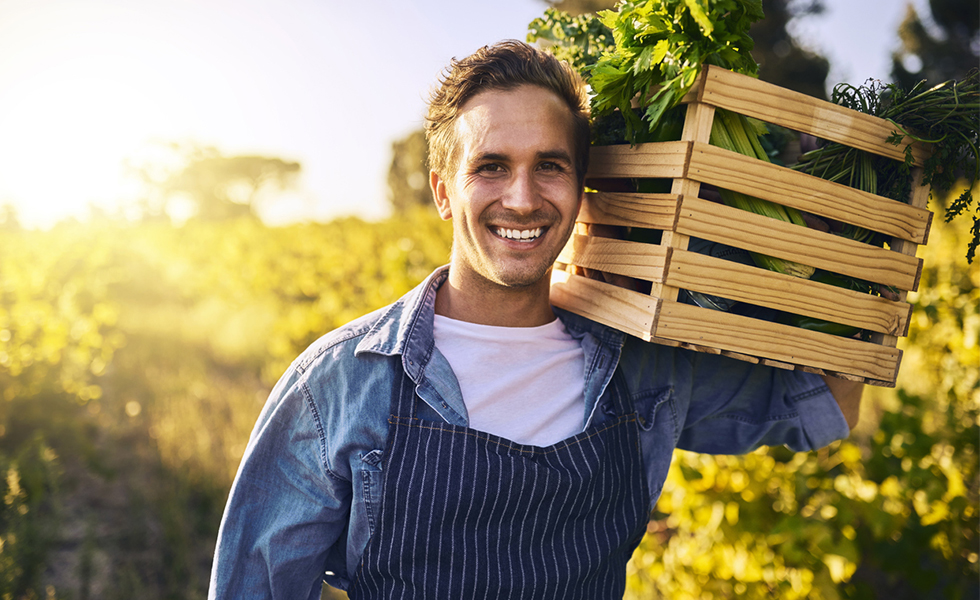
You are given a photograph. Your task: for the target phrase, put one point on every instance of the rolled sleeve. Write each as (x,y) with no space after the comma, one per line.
(733,407)
(820,416)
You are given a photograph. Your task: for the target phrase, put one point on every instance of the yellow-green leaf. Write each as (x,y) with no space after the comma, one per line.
(700,16)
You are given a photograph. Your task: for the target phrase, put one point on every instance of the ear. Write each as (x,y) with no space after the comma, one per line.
(440,194)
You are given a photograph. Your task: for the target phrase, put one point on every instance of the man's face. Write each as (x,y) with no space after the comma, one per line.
(514,196)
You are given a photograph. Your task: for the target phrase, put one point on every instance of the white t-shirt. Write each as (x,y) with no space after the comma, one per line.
(525,384)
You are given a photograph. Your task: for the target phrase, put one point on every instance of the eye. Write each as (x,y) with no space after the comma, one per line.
(489,168)
(552,166)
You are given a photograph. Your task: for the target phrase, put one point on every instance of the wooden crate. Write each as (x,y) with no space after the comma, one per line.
(681,214)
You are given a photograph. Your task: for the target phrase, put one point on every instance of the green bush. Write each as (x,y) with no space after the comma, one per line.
(27,517)
(891,512)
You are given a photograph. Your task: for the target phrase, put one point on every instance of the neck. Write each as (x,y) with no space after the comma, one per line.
(491,304)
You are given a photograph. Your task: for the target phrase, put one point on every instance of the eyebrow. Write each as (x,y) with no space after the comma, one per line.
(548,154)
(556,155)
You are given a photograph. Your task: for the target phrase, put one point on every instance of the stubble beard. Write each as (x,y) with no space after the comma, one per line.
(501,272)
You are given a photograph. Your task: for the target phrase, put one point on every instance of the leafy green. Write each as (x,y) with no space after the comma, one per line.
(661,46)
(650,52)
(947,116)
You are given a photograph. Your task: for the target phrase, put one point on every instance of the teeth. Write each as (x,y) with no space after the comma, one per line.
(519,234)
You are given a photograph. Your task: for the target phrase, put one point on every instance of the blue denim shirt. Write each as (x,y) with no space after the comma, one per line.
(305,499)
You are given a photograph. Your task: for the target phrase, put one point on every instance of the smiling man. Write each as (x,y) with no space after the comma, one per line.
(513,196)
(470,440)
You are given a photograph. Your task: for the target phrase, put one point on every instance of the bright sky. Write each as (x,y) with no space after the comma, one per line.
(87,84)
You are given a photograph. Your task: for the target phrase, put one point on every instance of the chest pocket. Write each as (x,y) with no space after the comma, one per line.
(370,481)
(654,405)
(657,419)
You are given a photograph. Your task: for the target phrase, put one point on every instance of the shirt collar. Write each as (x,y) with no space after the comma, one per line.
(406,327)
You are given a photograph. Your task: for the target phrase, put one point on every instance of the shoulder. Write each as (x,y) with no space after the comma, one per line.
(339,344)
(653,368)
(340,380)
(335,397)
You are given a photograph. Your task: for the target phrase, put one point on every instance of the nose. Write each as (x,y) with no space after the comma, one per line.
(522,194)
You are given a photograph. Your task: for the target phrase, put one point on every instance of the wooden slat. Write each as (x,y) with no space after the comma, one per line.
(652,211)
(625,310)
(775,363)
(753,177)
(632,259)
(773,104)
(920,198)
(745,357)
(691,324)
(743,229)
(717,277)
(664,160)
(698,120)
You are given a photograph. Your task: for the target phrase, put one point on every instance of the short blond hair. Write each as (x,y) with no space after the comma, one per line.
(502,66)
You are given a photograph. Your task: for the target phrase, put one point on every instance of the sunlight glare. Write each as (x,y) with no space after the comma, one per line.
(80,99)
(74,131)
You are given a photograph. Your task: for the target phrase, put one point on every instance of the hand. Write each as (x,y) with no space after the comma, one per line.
(848,397)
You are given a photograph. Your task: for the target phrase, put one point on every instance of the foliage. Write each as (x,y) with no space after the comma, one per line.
(579,40)
(781,60)
(140,355)
(55,324)
(890,512)
(28,484)
(945,50)
(660,46)
(408,174)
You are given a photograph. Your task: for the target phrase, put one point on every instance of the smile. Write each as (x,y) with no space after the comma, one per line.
(521,235)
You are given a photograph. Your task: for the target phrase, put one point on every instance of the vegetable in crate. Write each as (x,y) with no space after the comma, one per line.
(659,49)
(946,115)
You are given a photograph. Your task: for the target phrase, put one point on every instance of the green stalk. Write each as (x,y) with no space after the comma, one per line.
(732,131)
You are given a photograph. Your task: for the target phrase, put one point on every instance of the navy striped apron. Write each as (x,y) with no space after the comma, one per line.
(465,514)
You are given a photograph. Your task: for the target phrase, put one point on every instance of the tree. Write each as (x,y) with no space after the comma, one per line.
(781,60)
(8,218)
(949,53)
(408,175)
(219,187)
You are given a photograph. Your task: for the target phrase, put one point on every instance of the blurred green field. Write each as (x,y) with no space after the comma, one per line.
(134,359)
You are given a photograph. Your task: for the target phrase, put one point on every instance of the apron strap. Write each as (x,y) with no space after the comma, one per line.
(621,402)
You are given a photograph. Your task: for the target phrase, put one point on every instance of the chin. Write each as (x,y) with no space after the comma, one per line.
(522,278)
